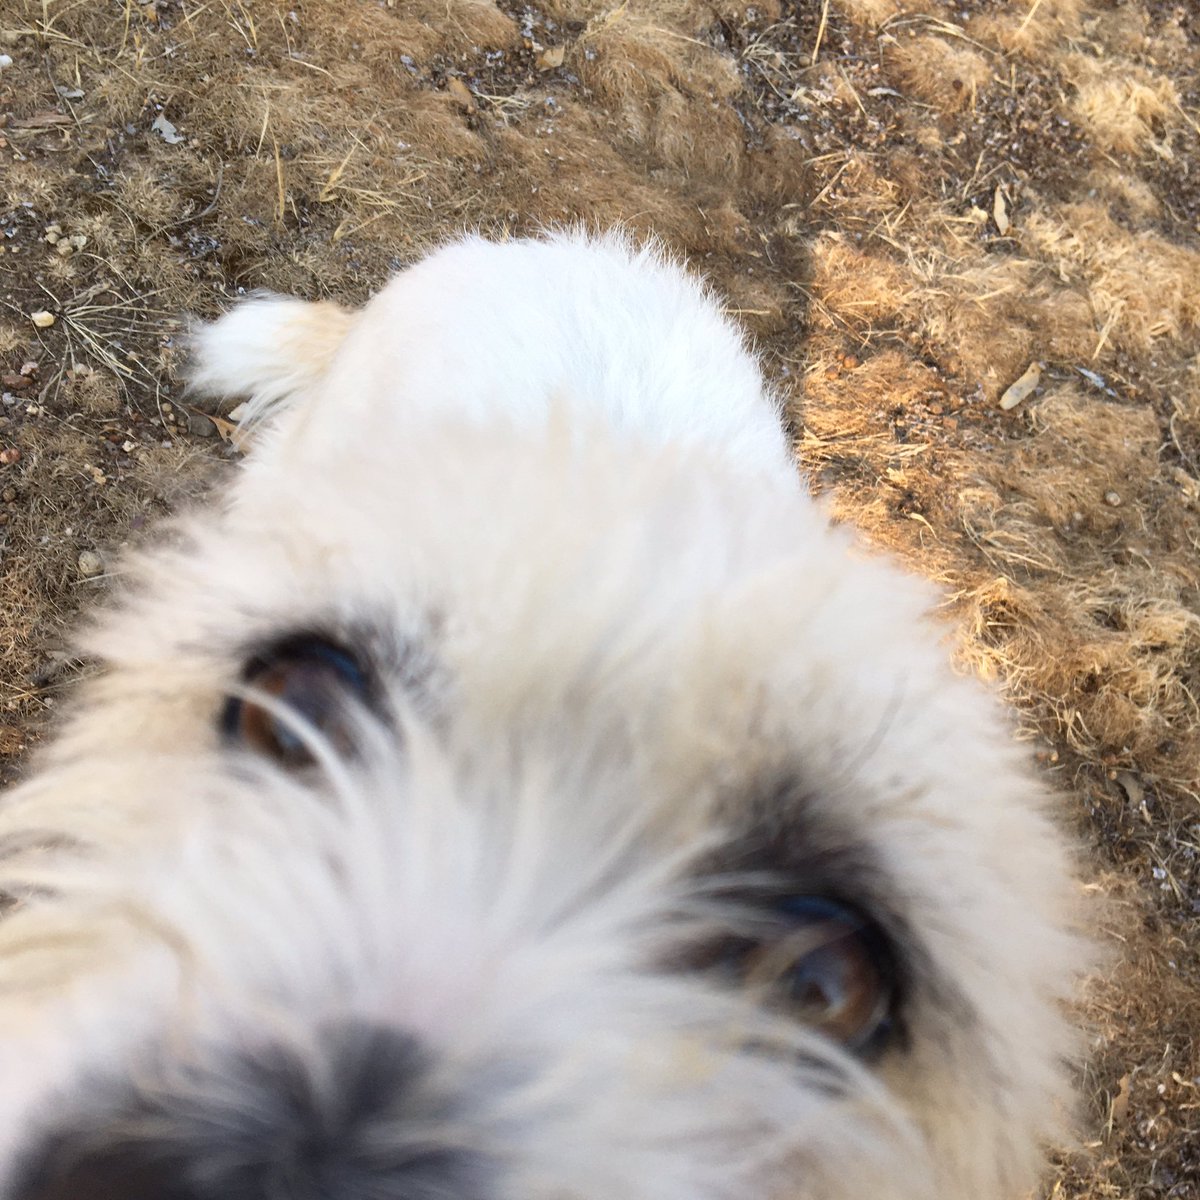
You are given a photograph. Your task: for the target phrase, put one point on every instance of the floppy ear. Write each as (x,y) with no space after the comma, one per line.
(269,349)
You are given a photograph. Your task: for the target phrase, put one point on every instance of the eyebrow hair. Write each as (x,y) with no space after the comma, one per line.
(780,829)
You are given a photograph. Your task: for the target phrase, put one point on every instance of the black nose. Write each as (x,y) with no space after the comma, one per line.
(358,1118)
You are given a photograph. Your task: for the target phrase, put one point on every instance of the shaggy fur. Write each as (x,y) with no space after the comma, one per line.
(627,672)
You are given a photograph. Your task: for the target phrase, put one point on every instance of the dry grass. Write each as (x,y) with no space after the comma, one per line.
(907,204)
(944,72)
(1132,110)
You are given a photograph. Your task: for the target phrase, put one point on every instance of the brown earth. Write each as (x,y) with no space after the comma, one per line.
(907,207)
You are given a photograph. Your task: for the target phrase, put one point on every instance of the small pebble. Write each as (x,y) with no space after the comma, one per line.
(90,564)
(8,495)
(1112,499)
(42,319)
(9,455)
(199,425)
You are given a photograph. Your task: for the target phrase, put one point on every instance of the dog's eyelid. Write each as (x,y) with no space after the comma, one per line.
(307,645)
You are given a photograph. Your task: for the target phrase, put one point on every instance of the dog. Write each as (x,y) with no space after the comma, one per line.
(511,784)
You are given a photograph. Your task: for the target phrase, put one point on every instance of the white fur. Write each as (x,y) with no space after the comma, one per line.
(269,347)
(588,328)
(553,467)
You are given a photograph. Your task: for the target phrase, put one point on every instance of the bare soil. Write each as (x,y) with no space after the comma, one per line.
(907,206)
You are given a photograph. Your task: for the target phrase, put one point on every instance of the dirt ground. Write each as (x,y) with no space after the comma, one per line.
(910,206)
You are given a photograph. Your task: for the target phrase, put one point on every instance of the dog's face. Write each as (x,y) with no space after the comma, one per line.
(504,813)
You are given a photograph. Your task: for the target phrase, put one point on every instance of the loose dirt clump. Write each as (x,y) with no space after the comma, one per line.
(909,206)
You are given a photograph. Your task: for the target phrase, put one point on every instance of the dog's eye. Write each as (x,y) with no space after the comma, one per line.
(836,968)
(827,964)
(316,683)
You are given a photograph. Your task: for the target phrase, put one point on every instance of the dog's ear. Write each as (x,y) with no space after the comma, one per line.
(269,350)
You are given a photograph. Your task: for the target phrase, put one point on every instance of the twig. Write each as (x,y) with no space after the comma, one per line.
(820,30)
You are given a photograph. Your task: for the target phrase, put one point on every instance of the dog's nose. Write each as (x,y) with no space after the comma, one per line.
(354,1118)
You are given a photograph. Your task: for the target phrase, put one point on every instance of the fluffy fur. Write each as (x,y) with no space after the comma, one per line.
(628,667)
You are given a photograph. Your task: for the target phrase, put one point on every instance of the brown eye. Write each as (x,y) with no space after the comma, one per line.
(318,685)
(825,963)
(837,971)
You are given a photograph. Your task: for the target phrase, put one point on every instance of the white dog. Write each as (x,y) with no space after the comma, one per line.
(512,789)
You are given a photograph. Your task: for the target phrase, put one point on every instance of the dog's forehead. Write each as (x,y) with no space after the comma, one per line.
(543,581)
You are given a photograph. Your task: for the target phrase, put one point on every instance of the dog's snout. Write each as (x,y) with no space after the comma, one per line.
(354,1117)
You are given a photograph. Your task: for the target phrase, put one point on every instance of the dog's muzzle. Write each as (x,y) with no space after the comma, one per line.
(353,1118)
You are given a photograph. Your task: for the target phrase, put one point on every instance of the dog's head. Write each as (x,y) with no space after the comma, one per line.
(493,812)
